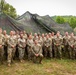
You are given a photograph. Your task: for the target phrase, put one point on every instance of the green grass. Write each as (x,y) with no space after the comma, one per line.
(49,67)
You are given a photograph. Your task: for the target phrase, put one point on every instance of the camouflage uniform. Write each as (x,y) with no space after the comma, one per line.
(48,47)
(2,47)
(37,50)
(11,50)
(53,46)
(25,36)
(29,48)
(65,43)
(40,41)
(21,47)
(5,45)
(74,49)
(43,47)
(71,47)
(58,41)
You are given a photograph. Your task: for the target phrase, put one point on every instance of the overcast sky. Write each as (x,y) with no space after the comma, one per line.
(45,7)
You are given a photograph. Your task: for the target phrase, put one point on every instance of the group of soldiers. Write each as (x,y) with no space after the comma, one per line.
(36,46)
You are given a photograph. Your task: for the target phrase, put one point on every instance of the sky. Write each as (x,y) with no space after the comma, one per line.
(45,7)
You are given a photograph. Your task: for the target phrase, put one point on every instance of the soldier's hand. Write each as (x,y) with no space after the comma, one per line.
(72,46)
(36,55)
(12,46)
(0,46)
(46,46)
(56,44)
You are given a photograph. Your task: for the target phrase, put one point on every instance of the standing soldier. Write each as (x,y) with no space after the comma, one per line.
(24,35)
(29,46)
(11,48)
(58,46)
(48,46)
(43,39)
(1,46)
(5,43)
(17,37)
(35,37)
(65,43)
(75,48)
(71,46)
(40,40)
(21,47)
(37,52)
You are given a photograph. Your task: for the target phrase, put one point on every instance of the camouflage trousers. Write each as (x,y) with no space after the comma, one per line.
(75,53)
(72,52)
(58,51)
(37,59)
(1,53)
(21,52)
(11,54)
(48,50)
(29,50)
(66,52)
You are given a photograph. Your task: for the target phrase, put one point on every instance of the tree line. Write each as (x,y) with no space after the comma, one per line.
(8,9)
(63,19)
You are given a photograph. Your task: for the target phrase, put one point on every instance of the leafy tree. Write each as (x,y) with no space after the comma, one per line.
(60,20)
(8,9)
(72,22)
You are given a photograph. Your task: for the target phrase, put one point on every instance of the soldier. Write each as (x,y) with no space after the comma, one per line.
(25,35)
(43,39)
(21,47)
(5,43)
(29,46)
(74,48)
(37,52)
(71,46)
(52,34)
(40,40)
(35,36)
(65,43)
(1,46)
(17,37)
(48,46)
(58,46)
(12,41)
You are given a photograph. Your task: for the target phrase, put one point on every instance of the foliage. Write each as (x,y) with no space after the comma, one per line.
(60,20)
(72,22)
(8,9)
(69,19)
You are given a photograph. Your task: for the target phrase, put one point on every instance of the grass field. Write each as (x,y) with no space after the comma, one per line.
(49,67)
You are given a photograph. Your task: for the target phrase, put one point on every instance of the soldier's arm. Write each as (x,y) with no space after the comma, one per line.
(61,41)
(19,44)
(45,43)
(69,43)
(50,42)
(28,43)
(8,42)
(33,51)
(2,40)
(40,50)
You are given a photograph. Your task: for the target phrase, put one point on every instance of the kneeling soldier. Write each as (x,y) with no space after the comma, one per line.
(37,52)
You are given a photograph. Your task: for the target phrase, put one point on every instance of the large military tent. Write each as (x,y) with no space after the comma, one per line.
(37,23)
(8,23)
